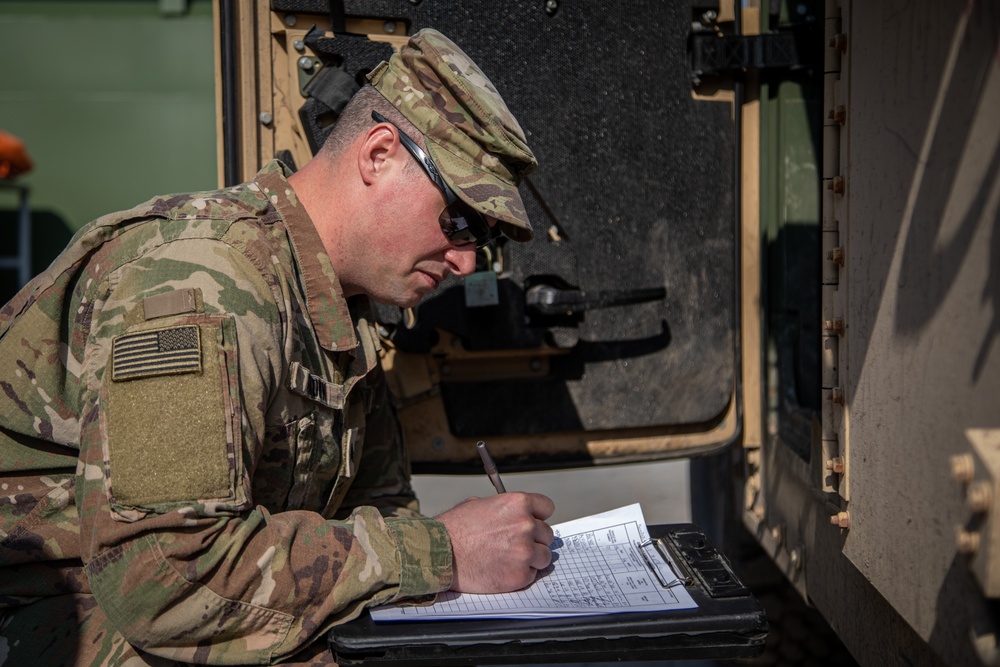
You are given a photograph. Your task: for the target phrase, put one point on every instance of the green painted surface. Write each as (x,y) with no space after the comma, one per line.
(115,102)
(791,209)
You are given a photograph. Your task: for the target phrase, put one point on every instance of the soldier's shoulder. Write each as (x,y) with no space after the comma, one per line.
(240,202)
(221,215)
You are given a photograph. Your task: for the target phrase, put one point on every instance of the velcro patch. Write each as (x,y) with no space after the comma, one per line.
(174,302)
(156,352)
(175,438)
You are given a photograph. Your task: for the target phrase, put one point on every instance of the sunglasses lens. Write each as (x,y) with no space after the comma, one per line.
(462,224)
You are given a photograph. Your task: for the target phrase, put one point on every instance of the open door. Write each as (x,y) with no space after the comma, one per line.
(613,335)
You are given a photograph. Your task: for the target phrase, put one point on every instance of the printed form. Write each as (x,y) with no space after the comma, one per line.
(597,568)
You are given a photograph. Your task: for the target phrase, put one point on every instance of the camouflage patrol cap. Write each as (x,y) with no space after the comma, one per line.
(473,138)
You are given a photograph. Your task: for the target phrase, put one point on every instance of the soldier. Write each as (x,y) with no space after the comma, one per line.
(198,456)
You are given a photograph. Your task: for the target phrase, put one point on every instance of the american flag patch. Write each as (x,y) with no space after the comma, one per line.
(156,352)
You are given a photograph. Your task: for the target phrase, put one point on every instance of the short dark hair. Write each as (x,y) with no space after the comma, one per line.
(356,118)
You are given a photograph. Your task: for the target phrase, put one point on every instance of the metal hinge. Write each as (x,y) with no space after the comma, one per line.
(836,459)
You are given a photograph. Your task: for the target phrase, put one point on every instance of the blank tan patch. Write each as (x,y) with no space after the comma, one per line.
(174,302)
(167,434)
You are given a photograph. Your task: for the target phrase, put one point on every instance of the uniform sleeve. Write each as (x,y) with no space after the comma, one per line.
(176,551)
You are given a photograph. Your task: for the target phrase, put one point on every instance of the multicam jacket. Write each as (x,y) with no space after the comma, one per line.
(195,429)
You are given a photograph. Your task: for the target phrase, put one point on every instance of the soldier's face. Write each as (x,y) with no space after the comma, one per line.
(409,253)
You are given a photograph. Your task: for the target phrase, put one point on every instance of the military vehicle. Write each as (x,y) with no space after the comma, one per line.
(767,238)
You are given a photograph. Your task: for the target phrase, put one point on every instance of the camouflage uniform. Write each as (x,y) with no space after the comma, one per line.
(198,454)
(198,458)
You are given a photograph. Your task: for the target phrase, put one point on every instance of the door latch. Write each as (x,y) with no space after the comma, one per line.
(549,300)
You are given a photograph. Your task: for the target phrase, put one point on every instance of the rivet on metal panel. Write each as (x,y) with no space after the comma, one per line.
(836,465)
(795,558)
(967,542)
(389,27)
(836,395)
(834,326)
(841,519)
(290,20)
(306,64)
(299,45)
(836,255)
(979,497)
(836,184)
(963,468)
(265,118)
(839,42)
(838,114)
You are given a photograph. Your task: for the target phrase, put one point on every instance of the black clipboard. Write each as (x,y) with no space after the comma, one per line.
(728,623)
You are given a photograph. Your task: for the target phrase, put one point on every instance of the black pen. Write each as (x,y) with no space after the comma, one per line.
(490,466)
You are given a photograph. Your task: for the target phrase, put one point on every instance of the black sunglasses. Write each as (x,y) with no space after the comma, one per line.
(460,222)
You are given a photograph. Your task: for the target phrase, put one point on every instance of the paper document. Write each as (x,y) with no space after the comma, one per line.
(597,568)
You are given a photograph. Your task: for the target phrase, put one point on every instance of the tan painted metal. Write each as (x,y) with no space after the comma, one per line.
(979,536)
(269,82)
(217,56)
(251,75)
(922,365)
(416,382)
(751,323)
(896,512)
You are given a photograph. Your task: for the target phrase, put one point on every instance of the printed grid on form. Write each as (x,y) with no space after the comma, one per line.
(596,571)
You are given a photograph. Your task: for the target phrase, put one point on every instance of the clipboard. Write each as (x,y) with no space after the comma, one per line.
(728,623)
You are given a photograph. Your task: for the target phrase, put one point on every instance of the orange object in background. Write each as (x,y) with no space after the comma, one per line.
(14,158)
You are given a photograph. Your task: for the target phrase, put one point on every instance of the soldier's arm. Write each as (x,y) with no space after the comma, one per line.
(176,551)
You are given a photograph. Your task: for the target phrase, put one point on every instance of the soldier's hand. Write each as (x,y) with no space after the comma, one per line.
(499,543)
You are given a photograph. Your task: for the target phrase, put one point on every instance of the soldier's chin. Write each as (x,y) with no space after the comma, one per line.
(409,301)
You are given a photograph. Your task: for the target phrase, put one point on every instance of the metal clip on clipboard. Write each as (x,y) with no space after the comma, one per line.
(664,556)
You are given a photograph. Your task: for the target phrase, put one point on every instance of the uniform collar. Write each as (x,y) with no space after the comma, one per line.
(328,309)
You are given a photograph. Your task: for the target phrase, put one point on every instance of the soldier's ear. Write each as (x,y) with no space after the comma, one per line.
(376,150)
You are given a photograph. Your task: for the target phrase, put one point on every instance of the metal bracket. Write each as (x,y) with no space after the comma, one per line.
(712,53)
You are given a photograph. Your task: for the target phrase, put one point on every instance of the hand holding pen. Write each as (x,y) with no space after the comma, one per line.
(498,543)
